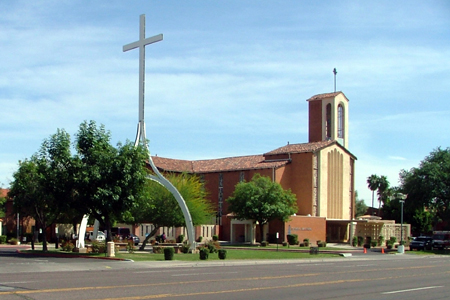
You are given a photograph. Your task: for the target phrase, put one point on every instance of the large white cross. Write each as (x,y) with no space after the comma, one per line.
(140,136)
(141,43)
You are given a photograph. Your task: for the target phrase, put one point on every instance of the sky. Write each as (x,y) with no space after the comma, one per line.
(230,78)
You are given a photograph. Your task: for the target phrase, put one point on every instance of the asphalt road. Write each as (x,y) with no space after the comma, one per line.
(358,277)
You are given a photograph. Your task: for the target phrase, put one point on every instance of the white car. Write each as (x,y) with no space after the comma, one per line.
(100,236)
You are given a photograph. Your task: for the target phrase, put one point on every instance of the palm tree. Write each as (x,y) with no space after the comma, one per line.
(373,183)
(383,189)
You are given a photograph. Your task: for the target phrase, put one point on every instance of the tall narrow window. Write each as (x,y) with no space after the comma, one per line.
(328,124)
(340,121)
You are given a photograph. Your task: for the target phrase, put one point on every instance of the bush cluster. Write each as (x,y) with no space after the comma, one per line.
(292,239)
(169,253)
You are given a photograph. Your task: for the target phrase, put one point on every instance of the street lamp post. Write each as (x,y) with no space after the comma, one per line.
(401,247)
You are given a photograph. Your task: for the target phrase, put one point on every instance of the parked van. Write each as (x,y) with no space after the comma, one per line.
(441,239)
(120,232)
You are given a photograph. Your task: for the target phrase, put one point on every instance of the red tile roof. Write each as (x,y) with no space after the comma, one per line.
(250,162)
(3,193)
(326,95)
(301,148)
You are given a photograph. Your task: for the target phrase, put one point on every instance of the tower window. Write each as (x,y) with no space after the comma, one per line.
(340,121)
(328,124)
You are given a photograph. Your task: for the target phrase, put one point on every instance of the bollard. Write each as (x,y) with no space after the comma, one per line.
(110,249)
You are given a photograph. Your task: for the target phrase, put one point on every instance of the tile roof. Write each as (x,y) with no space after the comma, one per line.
(250,162)
(326,95)
(3,193)
(300,148)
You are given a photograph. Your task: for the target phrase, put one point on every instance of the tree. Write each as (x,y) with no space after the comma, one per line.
(159,207)
(372,183)
(382,190)
(109,179)
(43,187)
(360,206)
(262,201)
(428,190)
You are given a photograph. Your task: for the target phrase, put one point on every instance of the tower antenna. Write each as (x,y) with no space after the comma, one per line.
(334,72)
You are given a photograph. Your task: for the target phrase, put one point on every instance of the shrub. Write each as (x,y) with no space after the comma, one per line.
(185,247)
(2,239)
(180,238)
(67,246)
(168,253)
(292,239)
(157,249)
(98,247)
(355,241)
(264,243)
(380,240)
(211,247)
(14,241)
(393,239)
(389,245)
(204,253)
(199,239)
(284,244)
(306,242)
(360,241)
(322,244)
(373,243)
(215,238)
(367,246)
(130,247)
(222,254)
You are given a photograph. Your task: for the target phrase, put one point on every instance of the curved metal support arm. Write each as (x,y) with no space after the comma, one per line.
(171,188)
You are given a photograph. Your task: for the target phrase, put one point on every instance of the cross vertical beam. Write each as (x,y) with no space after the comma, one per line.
(141,43)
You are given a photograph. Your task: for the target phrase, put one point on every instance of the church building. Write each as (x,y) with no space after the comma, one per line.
(320,173)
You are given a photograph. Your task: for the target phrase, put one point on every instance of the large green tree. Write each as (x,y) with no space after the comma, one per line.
(428,190)
(262,201)
(360,206)
(43,185)
(372,184)
(383,190)
(159,207)
(109,179)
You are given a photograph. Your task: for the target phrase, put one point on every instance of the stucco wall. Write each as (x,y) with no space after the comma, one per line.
(336,181)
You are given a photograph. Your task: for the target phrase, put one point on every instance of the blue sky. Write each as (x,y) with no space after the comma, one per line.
(230,78)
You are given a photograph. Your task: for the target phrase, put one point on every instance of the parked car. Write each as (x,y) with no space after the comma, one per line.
(136,239)
(100,236)
(441,239)
(421,243)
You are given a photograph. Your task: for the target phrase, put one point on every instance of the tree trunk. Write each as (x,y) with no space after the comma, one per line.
(147,238)
(261,232)
(44,237)
(372,201)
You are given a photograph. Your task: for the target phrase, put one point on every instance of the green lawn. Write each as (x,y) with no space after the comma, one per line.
(231,254)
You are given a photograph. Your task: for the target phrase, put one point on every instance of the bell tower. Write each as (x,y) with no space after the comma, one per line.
(328,118)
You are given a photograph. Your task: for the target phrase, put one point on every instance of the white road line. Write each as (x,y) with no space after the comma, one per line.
(196,274)
(15,282)
(412,290)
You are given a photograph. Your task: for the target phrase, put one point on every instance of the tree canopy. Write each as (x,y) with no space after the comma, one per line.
(43,185)
(159,207)
(109,179)
(428,190)
(262,201)
(101,180)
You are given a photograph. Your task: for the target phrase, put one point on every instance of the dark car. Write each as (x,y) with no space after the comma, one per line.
(136,239)
(421,243)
